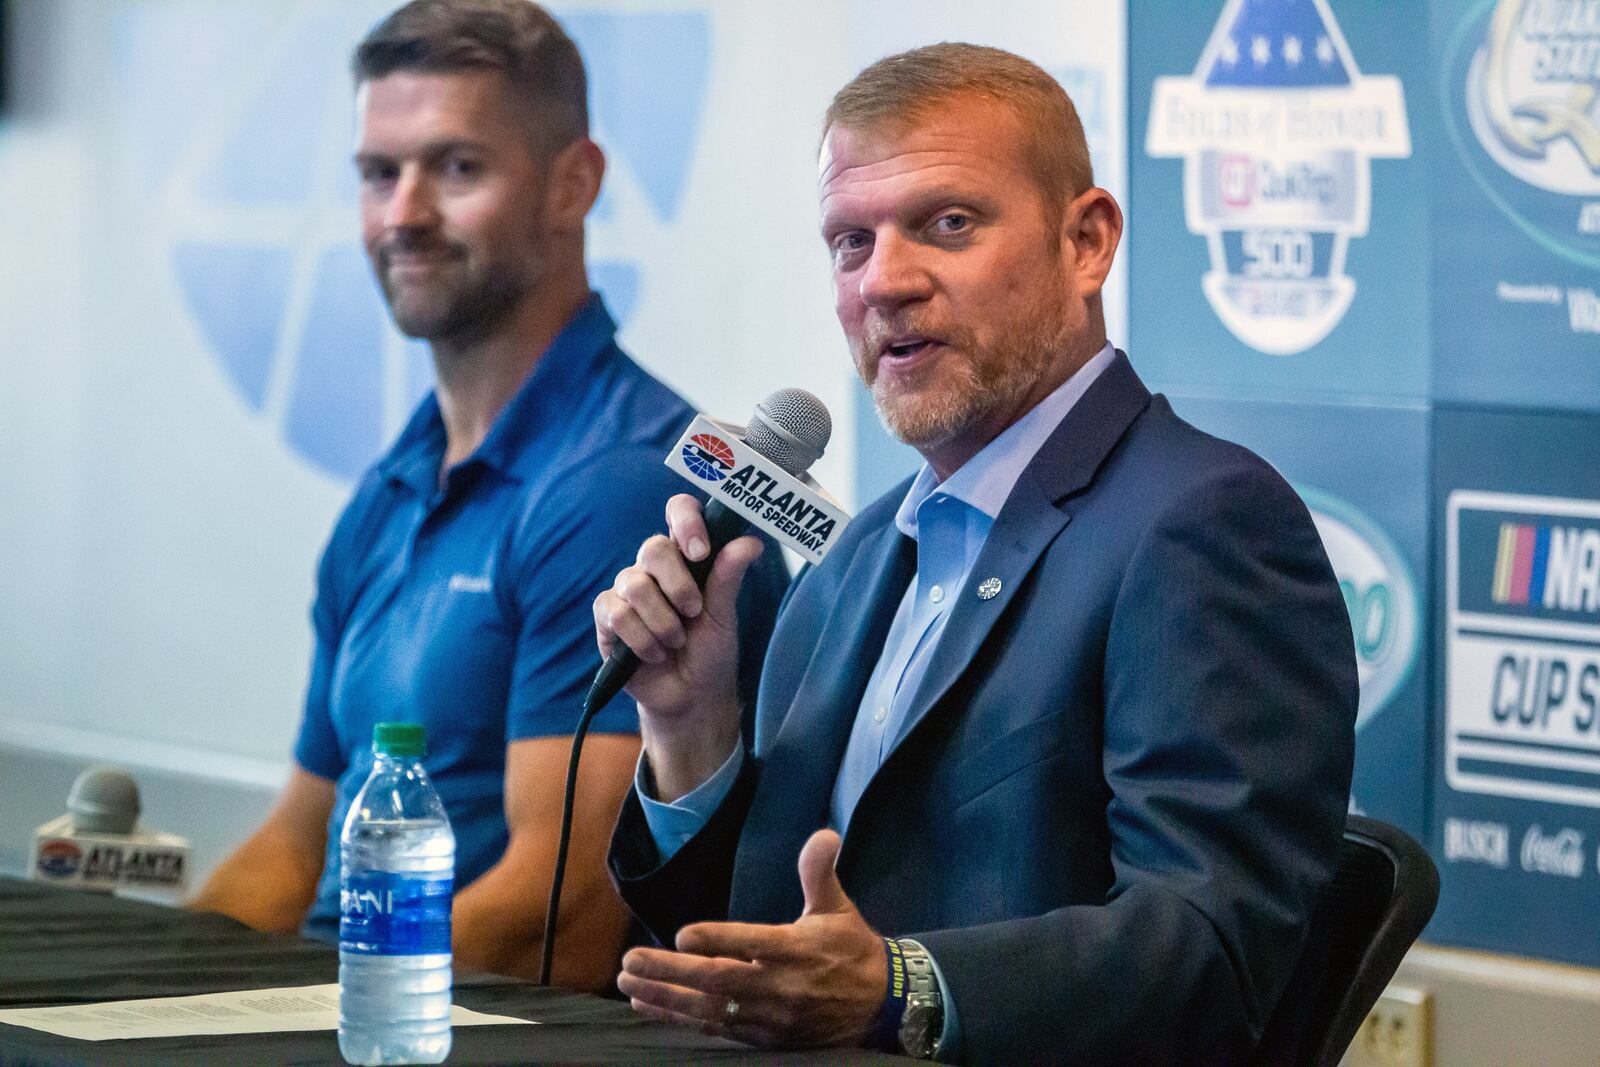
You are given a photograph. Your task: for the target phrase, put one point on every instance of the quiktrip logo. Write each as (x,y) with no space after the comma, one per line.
(1522,647)
(1379,594)
(1277,127)
(708,458)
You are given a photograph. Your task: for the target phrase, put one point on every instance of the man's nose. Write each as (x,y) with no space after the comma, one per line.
(895,274)
(411,207)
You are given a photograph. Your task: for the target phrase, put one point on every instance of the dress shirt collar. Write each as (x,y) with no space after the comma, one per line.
(986,480)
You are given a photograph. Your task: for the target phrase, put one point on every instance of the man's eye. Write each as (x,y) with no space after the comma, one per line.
(954,222)
(853,241)
(377,173)
(457,167)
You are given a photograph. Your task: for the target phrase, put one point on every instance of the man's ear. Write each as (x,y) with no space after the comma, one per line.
(572,185)
(1091,231)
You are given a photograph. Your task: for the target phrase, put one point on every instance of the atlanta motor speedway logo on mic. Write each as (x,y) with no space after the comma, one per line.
(796,512)
(1277,127)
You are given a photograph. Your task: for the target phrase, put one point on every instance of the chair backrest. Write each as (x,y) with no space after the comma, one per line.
(1382,894)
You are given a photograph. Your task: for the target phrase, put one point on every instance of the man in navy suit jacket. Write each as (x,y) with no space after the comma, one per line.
(1079,697)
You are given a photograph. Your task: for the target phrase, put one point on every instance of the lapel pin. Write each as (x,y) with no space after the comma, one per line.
(988,589)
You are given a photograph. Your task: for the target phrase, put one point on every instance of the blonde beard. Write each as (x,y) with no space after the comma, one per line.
(978,380)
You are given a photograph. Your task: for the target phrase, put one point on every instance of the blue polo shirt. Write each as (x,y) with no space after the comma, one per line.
(467,607)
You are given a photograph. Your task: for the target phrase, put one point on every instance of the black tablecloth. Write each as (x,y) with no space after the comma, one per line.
(63,947)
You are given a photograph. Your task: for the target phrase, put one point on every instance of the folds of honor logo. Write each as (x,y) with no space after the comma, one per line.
(1522,646)
(1525,76)
(1277,127)
(1379,594)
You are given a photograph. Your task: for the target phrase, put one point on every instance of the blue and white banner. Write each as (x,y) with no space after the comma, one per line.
(1277,243)
(1516,176)
(1516,803)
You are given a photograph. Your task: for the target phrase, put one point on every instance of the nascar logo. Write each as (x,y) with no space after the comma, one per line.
(1277,127)
(1553,566)
(708,458)
(1522,647)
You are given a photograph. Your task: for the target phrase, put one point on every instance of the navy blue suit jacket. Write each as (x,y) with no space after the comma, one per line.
(1124,777)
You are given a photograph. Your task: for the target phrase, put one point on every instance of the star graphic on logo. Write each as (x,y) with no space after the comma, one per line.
(1230,51)
(1260,51)
(1324,51)
(1291,51)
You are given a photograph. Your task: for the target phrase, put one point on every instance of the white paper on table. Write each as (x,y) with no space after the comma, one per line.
(249,1011)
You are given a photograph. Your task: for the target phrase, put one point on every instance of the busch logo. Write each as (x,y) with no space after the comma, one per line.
(1560,853)
(1277,127)
(1477,842)
(1378,593)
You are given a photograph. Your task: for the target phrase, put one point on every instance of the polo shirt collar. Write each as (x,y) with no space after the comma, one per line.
(550,396)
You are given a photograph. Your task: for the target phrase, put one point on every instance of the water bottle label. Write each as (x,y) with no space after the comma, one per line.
(386,914)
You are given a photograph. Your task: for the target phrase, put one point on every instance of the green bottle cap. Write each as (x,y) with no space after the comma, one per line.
(397,738)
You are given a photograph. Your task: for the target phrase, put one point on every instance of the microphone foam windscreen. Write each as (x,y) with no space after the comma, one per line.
(104,800)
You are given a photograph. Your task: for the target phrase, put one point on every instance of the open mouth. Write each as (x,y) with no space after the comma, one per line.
(909,348)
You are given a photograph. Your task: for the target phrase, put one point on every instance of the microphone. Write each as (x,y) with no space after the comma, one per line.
(757,477)
(765,486)
(99,845)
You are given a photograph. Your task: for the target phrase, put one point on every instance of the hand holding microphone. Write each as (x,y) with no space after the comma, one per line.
(674,609)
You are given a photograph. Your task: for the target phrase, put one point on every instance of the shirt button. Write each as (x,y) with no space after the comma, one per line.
(936,594)
(881,714)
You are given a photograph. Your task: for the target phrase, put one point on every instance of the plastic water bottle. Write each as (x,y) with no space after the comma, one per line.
(397,872)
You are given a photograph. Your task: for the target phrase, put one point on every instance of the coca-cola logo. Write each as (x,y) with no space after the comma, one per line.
(1559,853)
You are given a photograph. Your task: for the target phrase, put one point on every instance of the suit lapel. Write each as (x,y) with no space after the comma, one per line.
(1030,520)
(798,772)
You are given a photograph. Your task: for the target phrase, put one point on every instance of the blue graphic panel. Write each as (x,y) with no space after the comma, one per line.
(335,413)
(238,124)
(1277,43)
(237,294)
(1516,809)
(1516,309)
(648,74)
(1362,470)
(1278,234)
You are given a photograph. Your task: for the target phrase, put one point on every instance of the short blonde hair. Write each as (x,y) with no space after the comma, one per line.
(899,90)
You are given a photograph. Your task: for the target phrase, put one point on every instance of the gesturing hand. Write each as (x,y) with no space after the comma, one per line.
(817,981)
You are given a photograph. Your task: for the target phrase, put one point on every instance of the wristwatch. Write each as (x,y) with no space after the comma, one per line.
(922,1023)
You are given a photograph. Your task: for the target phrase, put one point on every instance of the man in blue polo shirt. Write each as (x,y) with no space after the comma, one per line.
(456,588)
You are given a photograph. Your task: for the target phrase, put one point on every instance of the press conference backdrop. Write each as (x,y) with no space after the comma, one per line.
(196,363)
(1376,263)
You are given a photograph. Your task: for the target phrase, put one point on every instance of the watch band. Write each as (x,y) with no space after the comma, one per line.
(922,1024)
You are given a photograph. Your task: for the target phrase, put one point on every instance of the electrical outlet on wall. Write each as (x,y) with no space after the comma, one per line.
(1398,1032)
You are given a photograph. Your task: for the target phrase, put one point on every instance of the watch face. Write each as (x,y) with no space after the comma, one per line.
(920,1029)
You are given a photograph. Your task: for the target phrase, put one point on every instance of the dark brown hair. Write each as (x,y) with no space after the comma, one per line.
(542,68)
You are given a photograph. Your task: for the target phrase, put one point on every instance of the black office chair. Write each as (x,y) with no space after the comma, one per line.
(1382,895)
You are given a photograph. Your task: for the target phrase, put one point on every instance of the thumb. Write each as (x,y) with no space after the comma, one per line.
(727,574)
(818,879)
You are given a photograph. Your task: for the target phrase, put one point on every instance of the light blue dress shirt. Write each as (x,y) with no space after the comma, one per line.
(949,521)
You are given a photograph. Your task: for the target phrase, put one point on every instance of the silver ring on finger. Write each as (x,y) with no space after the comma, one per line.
(730,1012)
